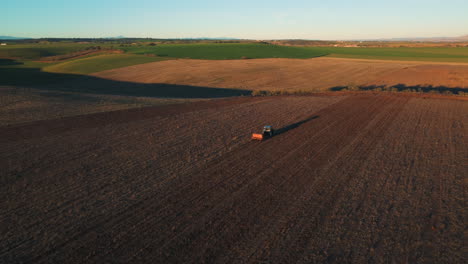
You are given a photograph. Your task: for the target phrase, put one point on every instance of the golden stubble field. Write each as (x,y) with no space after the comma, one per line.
(317,74)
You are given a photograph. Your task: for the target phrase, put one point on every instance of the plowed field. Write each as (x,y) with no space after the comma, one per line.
(359,178)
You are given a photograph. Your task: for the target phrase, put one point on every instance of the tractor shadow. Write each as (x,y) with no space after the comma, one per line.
(294,125)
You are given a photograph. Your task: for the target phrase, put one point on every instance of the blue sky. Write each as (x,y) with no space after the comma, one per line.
(306,19)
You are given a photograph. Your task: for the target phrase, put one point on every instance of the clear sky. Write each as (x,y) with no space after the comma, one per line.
(272,19)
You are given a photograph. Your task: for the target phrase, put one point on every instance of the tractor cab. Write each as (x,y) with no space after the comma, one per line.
(268,131)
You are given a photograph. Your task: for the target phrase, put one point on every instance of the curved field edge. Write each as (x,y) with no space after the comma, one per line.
(227,51)
(34,73)
(438,54)
(399,58)
(239,50)
(38,51)
(291,76)
(100,63)
(255,51)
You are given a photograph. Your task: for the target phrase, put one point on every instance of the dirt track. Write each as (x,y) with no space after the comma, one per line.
(349,178)
(293,74)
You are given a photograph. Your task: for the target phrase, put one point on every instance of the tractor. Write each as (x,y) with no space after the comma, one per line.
(268,132)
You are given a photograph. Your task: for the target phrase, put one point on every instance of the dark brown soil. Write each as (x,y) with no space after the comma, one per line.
(361,179)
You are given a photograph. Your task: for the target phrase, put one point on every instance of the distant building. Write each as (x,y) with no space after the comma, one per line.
(3,44)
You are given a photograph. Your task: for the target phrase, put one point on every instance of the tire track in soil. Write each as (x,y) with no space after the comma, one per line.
(132,218)
(306,149)
(312,211)
(369,210)
(277,201)
(57,190)
(394,217)
(410,233)
(316,223)
(87,152)
(293,200)
(149,201)
(285,205)
(97,221)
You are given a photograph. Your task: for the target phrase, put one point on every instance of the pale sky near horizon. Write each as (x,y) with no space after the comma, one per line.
(273,19)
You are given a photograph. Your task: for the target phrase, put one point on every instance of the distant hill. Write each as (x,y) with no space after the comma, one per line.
(118,37)
(206,38)
(432,39)
(201,38)
(220,38)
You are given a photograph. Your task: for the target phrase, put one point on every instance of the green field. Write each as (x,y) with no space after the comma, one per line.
(238,51)
(19,63)
(37,51)
(99,63)
(214,51)
(227,51)
(441,54)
